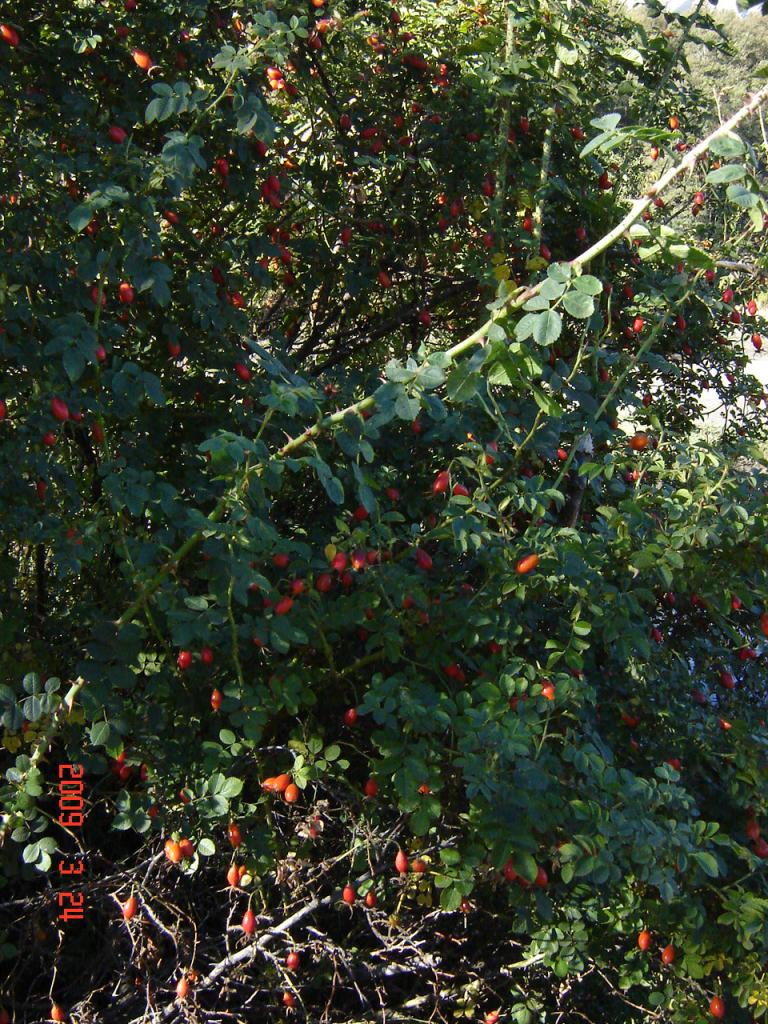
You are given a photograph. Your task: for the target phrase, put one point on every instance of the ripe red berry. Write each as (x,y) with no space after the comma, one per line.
(324,582)
(668,954)
(59,410)
(206,656)
(117,134)
(348,895)
(248,924)
(233,833)
(10,36)
(129,908)
(371,788)
(401,863)
(752,829)
(350,717)
(141,59)
(370,899)
(644,940)
(727,680)
(216,699)
(717,1007)
(184,660)
(182,988)
(527,563)
(292,961)
(441,482)
(423,560)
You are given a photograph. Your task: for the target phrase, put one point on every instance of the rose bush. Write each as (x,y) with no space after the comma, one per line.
(349,412)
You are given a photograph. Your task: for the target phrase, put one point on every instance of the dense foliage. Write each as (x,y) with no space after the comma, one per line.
(356,539)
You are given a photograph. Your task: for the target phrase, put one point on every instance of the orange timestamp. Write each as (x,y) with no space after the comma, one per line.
(71,803)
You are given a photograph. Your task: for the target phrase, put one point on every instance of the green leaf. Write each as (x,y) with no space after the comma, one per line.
(407,408)
(231,788)
(462,383)
(546,403)
(430,377)
(579,305)
(560,272)
(606,123)
(182,155)
(708,863)
(397,373)
(588,284)
(551,290)
(450,898)
(741,196)
(548,327)
(332,485)
(99,733)
(31,682)
(206,847)
(731,172)
(160,108)
(598,142)
(80,217)
(30,853)
(727,145)
(525,326)
(525,865)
